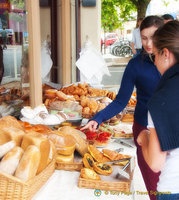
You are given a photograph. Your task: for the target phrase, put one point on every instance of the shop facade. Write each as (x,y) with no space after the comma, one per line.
(64,24)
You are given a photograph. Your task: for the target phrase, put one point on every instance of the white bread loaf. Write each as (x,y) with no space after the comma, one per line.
(11,160)
(52,151)
(11,133)
(5,148)
(29,163)
(37,139)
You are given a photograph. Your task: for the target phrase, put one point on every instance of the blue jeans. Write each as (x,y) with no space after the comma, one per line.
(168,196)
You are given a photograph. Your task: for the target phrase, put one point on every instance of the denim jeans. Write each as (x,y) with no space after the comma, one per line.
(168,196)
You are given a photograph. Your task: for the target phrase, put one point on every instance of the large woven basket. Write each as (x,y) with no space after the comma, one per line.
(12,188)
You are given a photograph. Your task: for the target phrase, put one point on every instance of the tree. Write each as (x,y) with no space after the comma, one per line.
(115,12)
(141,6)
(109,21)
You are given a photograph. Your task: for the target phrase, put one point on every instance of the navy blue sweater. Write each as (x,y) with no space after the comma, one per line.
(141,73)
(164,109)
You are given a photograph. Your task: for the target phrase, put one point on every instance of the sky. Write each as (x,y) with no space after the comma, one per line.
(157,7)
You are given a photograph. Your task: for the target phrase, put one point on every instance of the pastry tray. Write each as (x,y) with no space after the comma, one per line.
(112,182)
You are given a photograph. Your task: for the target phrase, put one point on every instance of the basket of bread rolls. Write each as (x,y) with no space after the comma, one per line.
(27,159)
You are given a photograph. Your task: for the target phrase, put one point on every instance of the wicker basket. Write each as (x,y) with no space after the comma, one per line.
(77,164)
(105,185)
(69,166)
(109,183)
(13,188)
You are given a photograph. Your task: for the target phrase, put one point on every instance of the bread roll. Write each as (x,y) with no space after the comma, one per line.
(9,121)
(5,148)
(11,133)
(29,163)
(81,143)
(37,139)
(50,93)
(11,160)
(65,144)
(61,96)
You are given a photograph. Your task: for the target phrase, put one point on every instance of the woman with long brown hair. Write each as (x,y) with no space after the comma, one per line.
(160,145)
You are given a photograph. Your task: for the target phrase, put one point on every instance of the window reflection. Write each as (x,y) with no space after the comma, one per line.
(15,53)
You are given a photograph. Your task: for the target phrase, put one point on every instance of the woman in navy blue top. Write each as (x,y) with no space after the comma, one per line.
(142,74)
(160,145)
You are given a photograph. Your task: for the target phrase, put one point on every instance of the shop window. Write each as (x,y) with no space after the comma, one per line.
(13,38)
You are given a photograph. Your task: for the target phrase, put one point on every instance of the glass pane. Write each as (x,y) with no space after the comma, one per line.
(14,70)
(14,38)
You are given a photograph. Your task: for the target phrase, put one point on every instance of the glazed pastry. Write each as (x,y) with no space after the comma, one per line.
(103,168)
(89,174)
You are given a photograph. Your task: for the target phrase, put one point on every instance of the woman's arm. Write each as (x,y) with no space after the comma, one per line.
(151,150)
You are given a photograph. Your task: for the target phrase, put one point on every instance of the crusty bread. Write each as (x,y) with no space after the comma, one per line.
(29,163)
(61,96)
(37,139)
(50,93)
(11,160)
(81,143)
(5,148)
(89,174)
(11,133)
(10,121)
(65,144)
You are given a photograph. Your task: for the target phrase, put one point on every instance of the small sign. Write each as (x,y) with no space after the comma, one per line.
(89,3)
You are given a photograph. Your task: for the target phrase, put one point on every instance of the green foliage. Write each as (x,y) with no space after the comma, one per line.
(115,12)
(18,3)
(109,16)
(166,3)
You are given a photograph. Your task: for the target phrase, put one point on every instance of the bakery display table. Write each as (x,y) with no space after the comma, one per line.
(64,184)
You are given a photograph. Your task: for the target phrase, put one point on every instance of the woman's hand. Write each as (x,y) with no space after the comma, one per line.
(142,137)
(91,125)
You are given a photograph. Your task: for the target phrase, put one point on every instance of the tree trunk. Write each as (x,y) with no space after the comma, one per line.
(141,6)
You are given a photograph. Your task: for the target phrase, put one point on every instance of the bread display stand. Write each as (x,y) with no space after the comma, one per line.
(13,188)
(112,182)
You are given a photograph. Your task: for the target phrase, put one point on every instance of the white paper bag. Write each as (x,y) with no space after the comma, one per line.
(91,65)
